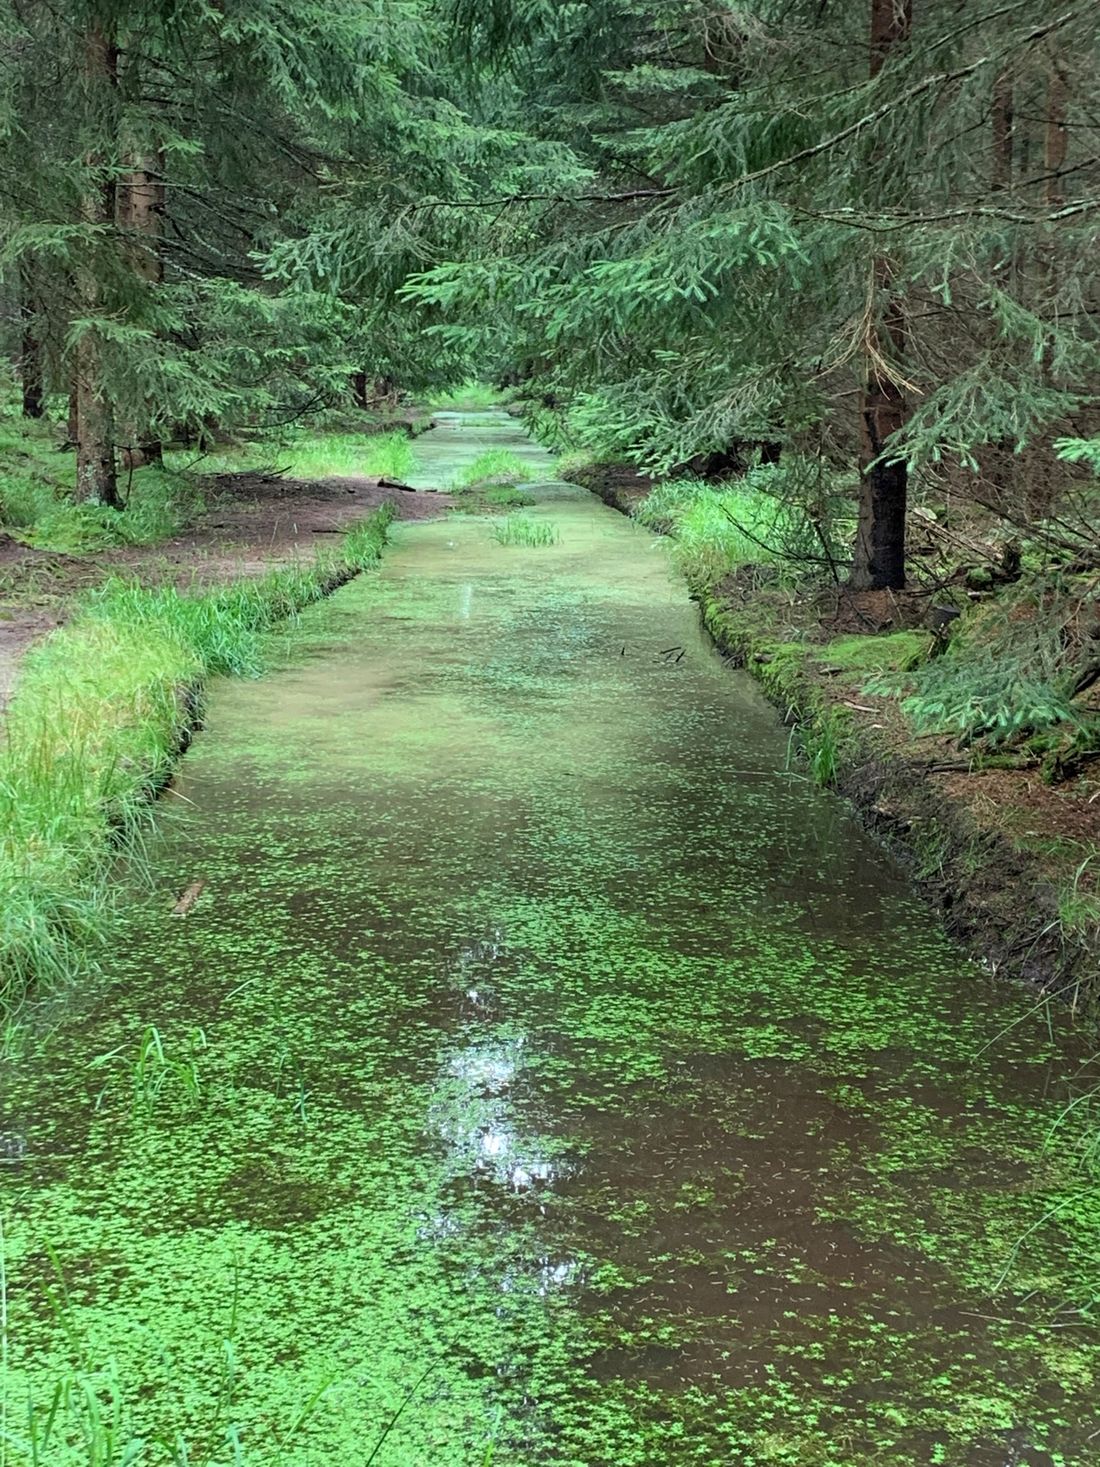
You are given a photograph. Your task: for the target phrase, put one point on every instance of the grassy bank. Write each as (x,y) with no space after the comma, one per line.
(966,749)
(330,454)
(102,709)
(37,507)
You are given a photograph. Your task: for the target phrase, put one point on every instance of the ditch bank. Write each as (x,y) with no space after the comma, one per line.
(951,821)
(103,709)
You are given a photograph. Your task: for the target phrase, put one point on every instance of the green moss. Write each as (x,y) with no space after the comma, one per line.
(898,651)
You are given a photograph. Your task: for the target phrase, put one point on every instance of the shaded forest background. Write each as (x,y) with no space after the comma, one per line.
(840,256)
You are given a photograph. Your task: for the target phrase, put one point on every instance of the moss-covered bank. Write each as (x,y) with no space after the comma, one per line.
(996,894)
(103,708)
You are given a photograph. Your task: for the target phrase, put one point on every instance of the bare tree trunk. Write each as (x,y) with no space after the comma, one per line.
(1056,136)
(96,473)
(31,364)
(1003,127)
(141,200)
(879,559)
(999,465)
(1054,161)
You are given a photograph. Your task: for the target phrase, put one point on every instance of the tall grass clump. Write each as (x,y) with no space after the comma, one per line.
(494,466)
(310,455)
(101,710)
(518,529)
(780,515)
(349,455)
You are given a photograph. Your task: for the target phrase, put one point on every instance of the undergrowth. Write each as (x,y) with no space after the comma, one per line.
(101,710)
(1012,671)
(468,397)
(759,520)
(309,455)
(495,466)
(37,507)
(518,529)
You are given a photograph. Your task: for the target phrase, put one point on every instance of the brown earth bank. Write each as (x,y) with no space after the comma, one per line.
(253,523)
(1005,853)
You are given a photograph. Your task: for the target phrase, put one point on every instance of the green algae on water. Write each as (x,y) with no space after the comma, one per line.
(577,1084)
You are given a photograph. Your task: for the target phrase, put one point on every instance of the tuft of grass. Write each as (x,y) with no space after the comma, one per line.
(336,456)
(822,741)
(518,529)
(1079,904)
(312,456)
(496,466)
(156,1070)
(468,397)
(881,652)
(493,498)
(101,710)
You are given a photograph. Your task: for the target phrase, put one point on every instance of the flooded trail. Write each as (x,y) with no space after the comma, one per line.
(548,1073)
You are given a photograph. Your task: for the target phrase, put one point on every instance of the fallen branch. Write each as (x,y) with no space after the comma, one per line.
(188,899)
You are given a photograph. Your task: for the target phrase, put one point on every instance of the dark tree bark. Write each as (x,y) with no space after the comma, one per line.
(1056,135)
(31,354)
(96,470)
(879,559)
(1003,127)
(140,209)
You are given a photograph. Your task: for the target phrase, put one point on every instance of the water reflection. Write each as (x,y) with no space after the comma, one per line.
(473,1113)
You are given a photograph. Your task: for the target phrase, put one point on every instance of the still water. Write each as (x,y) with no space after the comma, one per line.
(548,1073)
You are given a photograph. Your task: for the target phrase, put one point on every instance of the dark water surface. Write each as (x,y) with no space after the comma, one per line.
(574,1079)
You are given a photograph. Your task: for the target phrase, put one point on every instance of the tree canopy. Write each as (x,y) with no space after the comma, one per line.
(851,242)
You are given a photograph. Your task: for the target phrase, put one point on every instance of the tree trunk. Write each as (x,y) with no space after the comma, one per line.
(1054,161)
(1056,136)
(96,474)
(141,200)
(1003,126)
(879,559)
(31,364)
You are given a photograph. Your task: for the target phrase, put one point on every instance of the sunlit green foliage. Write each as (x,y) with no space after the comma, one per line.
(494,466)
(769,516)
(518,529)
(307,454)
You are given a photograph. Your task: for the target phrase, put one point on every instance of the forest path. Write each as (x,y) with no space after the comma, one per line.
(545,1064)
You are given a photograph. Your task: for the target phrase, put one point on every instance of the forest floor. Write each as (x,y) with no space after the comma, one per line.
(1010,853)
(252,522)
